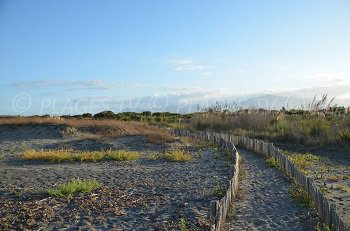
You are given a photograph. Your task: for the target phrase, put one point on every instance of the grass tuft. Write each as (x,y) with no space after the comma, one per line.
(299,195)
(48,155)
(178,155)
(76,185)
(123,155)
(219,190)
(272,162)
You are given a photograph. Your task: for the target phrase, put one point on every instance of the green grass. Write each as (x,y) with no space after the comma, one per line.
(299,195)
(178,155)
(76,185)
(272,162)
(302,160)
(123,155)
(219,189)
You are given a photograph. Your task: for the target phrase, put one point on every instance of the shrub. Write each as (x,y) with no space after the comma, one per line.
(178,155)
(123,155)
(75,185)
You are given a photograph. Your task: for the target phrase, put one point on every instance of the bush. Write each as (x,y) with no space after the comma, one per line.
(105,115)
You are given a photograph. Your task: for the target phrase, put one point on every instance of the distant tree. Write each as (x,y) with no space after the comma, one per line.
(146,113)
(86,115)
(105,115)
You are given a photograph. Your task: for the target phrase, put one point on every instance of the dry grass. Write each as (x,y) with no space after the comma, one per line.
(82,156)
(123,155)
(108,128)
(48,155)
(333,178)
(178,155)
(153,156)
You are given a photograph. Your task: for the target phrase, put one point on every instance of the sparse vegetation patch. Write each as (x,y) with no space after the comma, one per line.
(178,155)
(76,185)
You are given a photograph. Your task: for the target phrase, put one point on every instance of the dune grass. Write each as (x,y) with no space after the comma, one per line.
(48,155)
(82,156)
(178,155)
(123,155)
(302,160)
(75,185)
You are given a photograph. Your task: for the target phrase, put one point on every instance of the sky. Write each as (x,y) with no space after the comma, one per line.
(71,57)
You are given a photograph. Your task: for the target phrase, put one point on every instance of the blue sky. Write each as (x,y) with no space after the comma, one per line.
(59,56)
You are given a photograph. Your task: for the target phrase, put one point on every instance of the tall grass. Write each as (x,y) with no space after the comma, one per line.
(302,127)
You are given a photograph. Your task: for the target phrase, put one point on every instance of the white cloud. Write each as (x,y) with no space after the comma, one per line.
(189,65)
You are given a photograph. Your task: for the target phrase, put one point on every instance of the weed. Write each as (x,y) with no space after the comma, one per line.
(75,185)
(219,190)
(178,155)
(272,162)
(123,155)
(299,195)
(2,156)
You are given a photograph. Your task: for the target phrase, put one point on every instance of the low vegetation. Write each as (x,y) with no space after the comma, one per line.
(178,155)
(318,123)
(123,155)
(302,160)
(219,189)
(299,195)
(76,185)
(82,156)
(272,162)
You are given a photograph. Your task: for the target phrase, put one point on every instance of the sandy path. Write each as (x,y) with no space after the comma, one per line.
(264,203)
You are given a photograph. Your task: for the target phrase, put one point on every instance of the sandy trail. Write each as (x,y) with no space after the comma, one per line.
(263,202)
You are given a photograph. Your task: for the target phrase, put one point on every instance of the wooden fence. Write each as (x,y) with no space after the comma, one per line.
(218,209)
